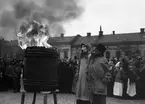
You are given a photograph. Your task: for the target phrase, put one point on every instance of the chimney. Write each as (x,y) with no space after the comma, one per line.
(62,34)
(142,30)
(88,34)
(100,32)
(113,32)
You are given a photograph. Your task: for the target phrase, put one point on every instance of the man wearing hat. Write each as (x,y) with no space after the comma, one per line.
(98,74)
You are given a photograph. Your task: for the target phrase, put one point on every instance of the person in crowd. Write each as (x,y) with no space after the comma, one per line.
(65,75)
(111,83)
(140,85)
(114,59)
(16,76)
(22,63)
(75,68)
(8,77)
(138,62)
(82,92)
(2,68)
(132,77)
(75,79)
(118,62)
(125,67)
(118,84)
(98,75)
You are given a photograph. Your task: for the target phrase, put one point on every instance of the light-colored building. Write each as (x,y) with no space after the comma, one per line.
(117,44)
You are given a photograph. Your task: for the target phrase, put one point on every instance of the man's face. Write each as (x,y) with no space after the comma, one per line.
(84,48)
(95,50)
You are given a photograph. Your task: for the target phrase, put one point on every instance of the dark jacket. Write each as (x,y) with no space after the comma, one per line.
(118,74)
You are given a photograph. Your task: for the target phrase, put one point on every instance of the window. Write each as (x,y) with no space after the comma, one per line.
(66,53)
(118,54)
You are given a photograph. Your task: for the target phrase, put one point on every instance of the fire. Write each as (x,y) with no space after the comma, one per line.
(33,34)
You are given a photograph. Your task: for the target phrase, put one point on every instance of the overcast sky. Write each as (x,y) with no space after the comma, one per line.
(123,16)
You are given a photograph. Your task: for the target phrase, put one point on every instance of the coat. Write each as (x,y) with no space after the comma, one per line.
(97,76)
(82,92)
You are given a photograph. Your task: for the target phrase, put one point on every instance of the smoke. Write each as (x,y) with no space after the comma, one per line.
(22,9)
(57,27)
(55,12)
(7,19)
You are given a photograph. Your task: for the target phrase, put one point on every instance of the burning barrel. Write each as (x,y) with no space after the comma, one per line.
(41,69)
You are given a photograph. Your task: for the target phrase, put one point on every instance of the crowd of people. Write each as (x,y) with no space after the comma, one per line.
(125,76)
(10,74)
(127,80)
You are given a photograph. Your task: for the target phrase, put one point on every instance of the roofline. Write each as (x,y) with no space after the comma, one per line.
(109,34)
(77,36)
(124,33)
(118,43)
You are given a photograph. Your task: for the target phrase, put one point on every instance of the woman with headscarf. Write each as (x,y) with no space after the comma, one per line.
(132,79)
(82,93)
(118,83)
(98,75)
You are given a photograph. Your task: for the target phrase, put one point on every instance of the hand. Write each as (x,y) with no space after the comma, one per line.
(107,78)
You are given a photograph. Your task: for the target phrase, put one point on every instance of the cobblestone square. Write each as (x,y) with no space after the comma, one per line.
(15,98)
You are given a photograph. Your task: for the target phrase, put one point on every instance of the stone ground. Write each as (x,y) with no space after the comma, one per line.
(15,98)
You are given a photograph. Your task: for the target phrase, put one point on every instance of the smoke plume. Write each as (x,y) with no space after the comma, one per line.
(8,19)
(55,12)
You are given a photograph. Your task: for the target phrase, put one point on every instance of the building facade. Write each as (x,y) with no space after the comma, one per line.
(117,45)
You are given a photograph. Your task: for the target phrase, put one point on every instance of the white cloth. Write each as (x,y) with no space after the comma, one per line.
(131,88)
(117,64)
(118,89)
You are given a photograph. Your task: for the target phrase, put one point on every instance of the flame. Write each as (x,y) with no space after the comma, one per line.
(33,34)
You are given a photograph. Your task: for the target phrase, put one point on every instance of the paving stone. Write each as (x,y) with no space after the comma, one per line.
(15,98)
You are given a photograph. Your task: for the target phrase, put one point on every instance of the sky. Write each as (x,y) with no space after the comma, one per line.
(121,16)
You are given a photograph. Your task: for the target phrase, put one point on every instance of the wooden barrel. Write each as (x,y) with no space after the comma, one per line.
(40,69)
